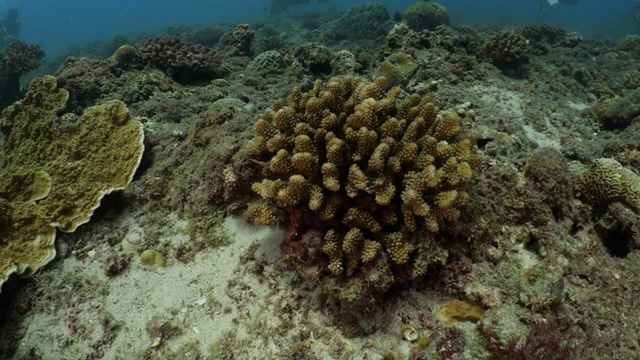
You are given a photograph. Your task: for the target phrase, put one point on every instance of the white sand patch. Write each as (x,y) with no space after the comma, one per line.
(190,296)
(502,102)
(541,139)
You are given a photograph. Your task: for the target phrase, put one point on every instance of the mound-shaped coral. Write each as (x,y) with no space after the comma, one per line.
(397,68)
(185,62)
(54,170)
(314,58)
(630,44)
(128,57)
(547,173)
(237,42)
(426,15)
(607,181)
(268,62)
(506,48)
(621,112)
(344,62)
(363,21)
(16,60)
(365,169)
(631,80)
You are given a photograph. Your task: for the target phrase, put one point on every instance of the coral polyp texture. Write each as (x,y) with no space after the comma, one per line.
(16,60)
(426,15)
(363,167)
(607,181)
(506,47)
(183,61)
(55,169)
(269,62)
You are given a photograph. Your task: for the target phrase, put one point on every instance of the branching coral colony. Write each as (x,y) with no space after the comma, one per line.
(371,176)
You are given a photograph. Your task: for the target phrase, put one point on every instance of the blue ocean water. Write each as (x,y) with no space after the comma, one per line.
(58,24)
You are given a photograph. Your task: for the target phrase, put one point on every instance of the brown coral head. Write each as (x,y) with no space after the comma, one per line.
(506,48)
(367,169)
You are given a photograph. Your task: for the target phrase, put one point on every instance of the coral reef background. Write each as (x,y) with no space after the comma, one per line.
(57,26)
(308,187)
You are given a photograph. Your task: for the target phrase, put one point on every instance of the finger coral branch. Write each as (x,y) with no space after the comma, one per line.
(375,169)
